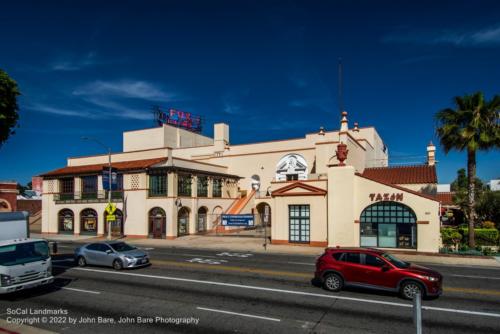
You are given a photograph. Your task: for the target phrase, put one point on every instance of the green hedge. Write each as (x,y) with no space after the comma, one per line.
(484,236)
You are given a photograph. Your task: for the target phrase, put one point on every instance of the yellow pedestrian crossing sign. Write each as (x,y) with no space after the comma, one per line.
(110,218)
(111,208)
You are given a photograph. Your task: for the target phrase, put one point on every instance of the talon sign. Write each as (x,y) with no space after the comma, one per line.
(386,197)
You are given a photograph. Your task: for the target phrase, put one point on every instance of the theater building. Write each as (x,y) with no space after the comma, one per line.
(330,188)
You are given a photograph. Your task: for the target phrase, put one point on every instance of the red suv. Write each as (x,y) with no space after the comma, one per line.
(372,268)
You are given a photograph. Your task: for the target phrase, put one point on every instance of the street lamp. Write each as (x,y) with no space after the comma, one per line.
(109,176)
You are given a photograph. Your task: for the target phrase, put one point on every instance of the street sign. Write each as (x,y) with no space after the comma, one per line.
(111,208)
(237,220)
(110,218)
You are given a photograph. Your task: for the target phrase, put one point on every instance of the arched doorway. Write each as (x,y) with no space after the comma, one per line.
(216,216)
(202,220)
(183,221)
(264,212)
(157,223)
(116,225)
(66,219)
(88,222)
(388,225)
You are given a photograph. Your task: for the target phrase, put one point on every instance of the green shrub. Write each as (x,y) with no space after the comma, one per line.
(450,236)
(484,236)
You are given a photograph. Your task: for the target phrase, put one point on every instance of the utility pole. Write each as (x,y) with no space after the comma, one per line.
(109,178)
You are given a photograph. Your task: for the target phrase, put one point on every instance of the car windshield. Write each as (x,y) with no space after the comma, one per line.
(27,252)
(395,261)
(121,247)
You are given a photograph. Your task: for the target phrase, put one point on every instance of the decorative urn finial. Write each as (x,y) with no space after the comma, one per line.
(342,152)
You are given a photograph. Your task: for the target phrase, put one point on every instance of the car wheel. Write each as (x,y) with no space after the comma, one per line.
(333,282)
(410,288)
(117,265)
(81,261)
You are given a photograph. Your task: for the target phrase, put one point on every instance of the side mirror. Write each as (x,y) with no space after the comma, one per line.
(109,251)
(385,268)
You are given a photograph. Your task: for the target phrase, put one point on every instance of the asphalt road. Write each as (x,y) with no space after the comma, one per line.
(191,290)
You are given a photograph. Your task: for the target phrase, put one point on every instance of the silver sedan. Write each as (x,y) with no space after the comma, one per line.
(116,254)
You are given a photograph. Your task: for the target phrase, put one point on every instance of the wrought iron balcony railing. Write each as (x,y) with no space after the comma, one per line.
(88,197)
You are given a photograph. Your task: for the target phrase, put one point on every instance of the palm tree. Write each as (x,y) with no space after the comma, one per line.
(473,125)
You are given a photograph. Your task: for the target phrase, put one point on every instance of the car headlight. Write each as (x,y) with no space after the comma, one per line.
(48,273)
(5,280)
(430,278)
(130,258)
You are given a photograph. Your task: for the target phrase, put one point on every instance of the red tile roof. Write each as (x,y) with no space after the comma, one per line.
(446,198)
(431,197)
(122,166)
(403,174)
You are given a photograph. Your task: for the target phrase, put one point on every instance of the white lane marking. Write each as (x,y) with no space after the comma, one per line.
(197,255)
(234,254)
(240,314)
(472,276)
(303,263)
(301,293)
(146,248)
(205,261)
(81,290)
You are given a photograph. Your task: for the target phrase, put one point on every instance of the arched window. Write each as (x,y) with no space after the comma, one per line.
(4,206)
(66,221)
(88,222)
(388,225)
(255,179)
(291,167)
(157,223)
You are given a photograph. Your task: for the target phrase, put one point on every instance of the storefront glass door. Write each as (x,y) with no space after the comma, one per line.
(387,235)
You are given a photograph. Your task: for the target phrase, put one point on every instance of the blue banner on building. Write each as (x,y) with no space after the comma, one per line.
(105,179)
(238,220)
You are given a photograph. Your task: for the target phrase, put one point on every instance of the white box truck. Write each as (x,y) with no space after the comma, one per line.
(24,262)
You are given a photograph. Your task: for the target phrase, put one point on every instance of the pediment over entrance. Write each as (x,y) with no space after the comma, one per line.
(298,189)
(291,167)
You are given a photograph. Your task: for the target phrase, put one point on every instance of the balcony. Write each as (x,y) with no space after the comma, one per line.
(100,196)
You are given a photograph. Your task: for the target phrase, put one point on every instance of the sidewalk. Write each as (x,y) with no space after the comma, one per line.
(256,245)
(13,328)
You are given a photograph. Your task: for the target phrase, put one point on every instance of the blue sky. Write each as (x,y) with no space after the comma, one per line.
(268,68)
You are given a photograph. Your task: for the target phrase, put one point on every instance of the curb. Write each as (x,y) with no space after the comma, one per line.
(431,258)
(10,328)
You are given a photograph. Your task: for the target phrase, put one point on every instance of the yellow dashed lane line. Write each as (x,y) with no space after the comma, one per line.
(232,268)
(269,272)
